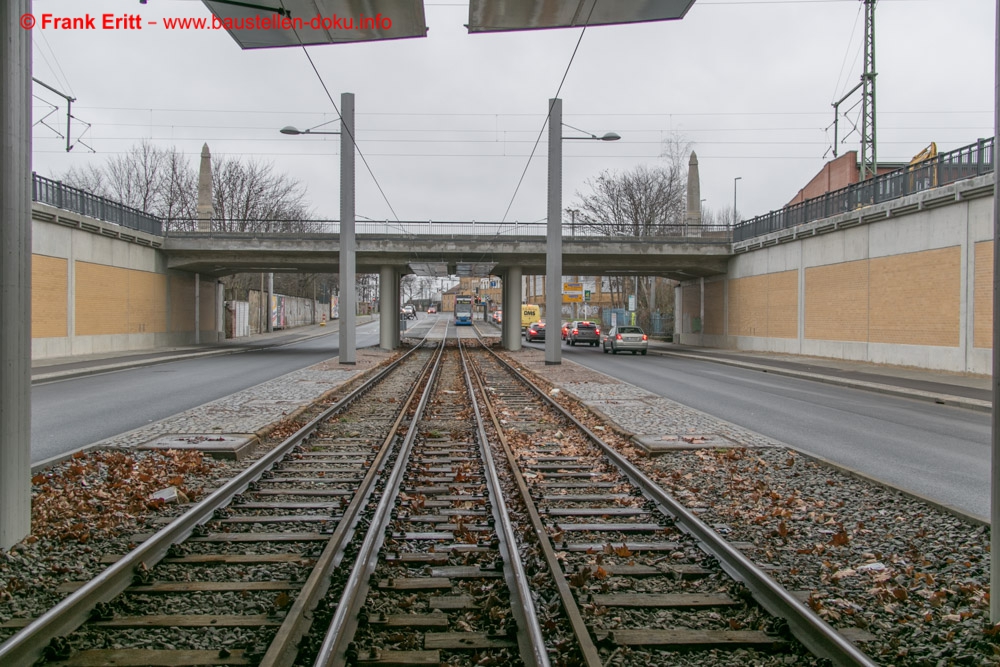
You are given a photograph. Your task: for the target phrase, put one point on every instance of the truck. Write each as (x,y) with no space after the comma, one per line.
(529,315)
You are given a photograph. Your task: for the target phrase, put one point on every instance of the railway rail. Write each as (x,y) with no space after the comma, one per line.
(471,522)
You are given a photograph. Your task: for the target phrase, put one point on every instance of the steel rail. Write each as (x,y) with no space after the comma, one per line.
(537,654)
(27,645)
(344,621)
(815,634)
(284,647)
(588,650)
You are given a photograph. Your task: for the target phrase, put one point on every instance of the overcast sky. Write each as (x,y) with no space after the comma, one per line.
(447,122)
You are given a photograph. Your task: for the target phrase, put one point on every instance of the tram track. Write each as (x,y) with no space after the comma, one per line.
(269,523)
(633,557)
(473,522)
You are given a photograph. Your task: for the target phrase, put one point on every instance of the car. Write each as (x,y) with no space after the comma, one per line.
(535,331)
(583,331)
(497,316)
(432,310)
(565,329)
(625,339)
(408,312)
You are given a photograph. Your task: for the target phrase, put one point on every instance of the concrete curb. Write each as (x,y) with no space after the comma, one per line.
(942,399)
(194,354)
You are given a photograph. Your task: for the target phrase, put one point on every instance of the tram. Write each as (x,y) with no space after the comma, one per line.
(463,310)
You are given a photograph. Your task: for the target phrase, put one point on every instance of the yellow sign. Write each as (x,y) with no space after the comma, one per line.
(572,293)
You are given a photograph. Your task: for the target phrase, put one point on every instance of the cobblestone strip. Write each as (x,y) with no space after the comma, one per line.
(255,409)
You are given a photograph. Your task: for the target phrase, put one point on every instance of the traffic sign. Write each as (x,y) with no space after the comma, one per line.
(586,295)
(572,293)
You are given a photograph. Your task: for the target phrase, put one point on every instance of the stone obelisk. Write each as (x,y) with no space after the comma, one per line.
(205,209)
(692,220)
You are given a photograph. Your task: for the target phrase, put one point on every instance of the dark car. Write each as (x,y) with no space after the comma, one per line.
(535,332)
(625,339)
(583,331)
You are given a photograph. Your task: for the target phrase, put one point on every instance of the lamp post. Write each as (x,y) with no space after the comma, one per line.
(738,178)
(348,295)
(553,229)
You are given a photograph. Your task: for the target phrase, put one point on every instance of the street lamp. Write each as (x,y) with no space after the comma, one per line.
(291,129)
(553,228)
(738,178)
(348,297)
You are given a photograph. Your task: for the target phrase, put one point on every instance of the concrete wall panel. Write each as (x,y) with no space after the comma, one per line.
(983,295)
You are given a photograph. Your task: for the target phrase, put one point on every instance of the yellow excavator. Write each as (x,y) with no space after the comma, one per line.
(923,176)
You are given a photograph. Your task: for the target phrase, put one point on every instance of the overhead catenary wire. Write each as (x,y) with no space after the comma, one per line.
(549,114)
(349,133)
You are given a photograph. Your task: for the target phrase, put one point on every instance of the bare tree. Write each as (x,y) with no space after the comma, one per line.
(645,201)
(252,197)
(156,181)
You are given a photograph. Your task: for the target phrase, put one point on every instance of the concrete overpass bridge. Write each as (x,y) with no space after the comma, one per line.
(442,249)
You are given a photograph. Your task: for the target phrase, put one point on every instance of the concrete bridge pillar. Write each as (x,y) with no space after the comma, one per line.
(512,309)
(15,274)
(388,308)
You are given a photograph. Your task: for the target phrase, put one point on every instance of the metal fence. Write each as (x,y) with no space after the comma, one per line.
(966,162)
(507,231)
(55,193)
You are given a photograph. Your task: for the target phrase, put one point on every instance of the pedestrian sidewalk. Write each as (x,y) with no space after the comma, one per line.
(968,391)
(76,366)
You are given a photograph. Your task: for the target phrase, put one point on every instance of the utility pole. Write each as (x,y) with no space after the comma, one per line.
(869,161)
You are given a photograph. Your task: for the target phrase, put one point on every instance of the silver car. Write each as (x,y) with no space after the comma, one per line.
(625,339)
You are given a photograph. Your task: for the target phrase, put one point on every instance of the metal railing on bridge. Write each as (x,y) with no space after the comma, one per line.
(507,231)
(962,163)
(56,193)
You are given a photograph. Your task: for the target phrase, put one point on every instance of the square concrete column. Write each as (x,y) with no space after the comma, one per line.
(346,334)
(388,304)
(15,274)
(512,309)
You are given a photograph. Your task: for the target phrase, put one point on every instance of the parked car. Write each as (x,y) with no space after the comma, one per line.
(535,331)
(408,312)
(583,331)
(625,339)
(432,310)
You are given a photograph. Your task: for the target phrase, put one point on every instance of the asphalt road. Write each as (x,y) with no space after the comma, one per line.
(72,413)
(937,451)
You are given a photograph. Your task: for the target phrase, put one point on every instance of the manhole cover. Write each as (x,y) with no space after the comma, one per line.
(217,445)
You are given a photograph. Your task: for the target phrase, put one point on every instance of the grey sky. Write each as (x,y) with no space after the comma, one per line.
(447,122)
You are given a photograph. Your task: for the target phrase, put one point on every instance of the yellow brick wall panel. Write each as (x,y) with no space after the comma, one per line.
(715,293)
(691,300)
(783,304)
(181,303)
(101,293)
(836,305)
(982,304)
(49,284)
(147,302)
(748,306)
(915,298)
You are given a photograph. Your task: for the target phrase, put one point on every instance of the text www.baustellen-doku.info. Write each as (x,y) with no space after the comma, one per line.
(256,22)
